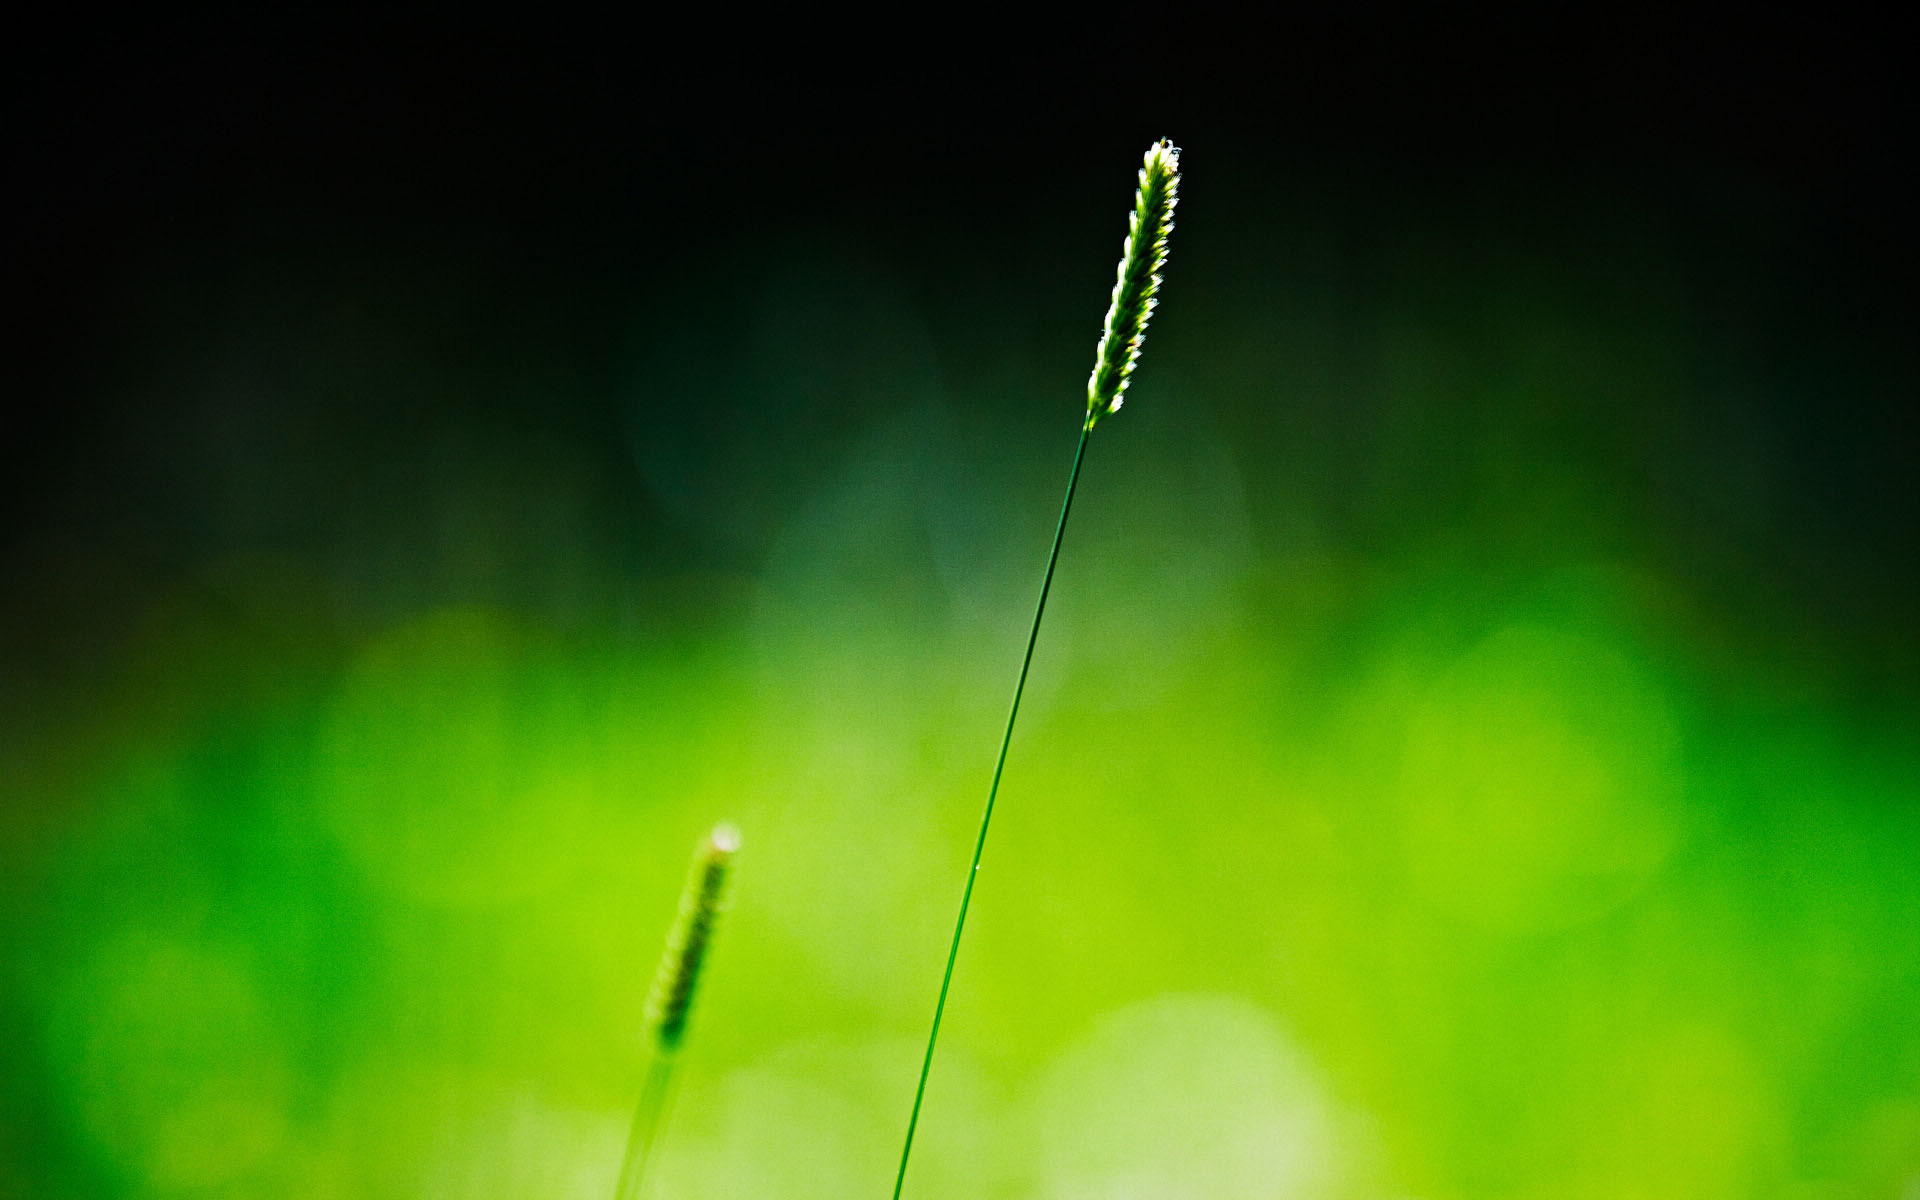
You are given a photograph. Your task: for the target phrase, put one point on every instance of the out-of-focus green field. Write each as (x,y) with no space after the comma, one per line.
(1420,792)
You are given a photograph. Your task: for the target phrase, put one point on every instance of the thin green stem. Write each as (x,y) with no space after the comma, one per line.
(980,843)
(646,1122)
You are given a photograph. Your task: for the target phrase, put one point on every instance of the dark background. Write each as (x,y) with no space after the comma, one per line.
(473,195)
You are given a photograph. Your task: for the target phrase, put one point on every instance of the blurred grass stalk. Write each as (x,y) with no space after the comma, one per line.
(1136,293)
(671,999)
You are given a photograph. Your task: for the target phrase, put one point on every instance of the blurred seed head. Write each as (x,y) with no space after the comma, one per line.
(701,902)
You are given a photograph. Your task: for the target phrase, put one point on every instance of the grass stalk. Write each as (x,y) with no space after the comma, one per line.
(1135,296)
(646,1123)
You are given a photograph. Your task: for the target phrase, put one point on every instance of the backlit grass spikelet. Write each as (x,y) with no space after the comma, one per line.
(1136,290)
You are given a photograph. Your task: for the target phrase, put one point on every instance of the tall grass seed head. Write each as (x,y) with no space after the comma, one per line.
(701,902)
(1137,288)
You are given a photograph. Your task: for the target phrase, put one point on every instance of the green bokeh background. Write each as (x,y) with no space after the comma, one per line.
(1471,751)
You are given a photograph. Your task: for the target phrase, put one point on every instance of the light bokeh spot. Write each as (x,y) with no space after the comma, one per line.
(1186,1097)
